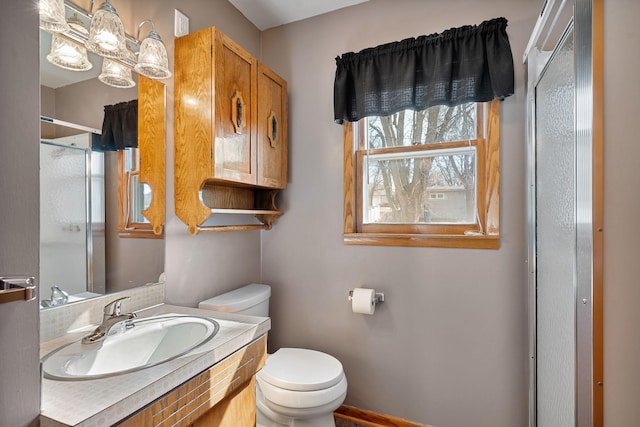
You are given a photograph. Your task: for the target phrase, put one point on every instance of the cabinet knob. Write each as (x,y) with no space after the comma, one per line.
(238,112)
(272,134)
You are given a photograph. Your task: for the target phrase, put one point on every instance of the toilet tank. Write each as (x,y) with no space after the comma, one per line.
(251,299)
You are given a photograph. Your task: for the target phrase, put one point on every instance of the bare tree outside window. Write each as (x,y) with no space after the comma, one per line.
(409,157)
(424,178)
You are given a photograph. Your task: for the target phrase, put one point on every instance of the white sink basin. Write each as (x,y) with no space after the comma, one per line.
(151,341)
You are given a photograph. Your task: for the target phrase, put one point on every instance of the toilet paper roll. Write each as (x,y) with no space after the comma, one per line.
(363,301)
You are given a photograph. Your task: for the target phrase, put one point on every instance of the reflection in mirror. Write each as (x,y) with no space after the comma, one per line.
(139,193)
(72,244)
(90,257)
(136,196)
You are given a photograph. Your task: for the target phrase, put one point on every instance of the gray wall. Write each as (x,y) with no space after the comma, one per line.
(19,185)
(449,345)
(621,212)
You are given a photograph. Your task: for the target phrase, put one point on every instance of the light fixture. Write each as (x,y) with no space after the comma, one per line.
(52,16)
(106,33)
(116,74)
(106,37)
(152,56)
(67,54)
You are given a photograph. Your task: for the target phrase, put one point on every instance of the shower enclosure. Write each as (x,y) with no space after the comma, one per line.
(563,61)
(72,215)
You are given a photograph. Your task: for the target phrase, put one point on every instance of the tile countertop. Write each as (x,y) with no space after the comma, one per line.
(105,401)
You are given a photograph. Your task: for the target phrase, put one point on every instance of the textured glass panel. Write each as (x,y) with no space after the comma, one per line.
(63,219)
(556,234)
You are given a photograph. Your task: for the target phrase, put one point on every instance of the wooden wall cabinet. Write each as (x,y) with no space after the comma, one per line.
(230,132)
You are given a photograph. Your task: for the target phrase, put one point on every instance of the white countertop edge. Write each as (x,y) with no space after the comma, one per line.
(103,402)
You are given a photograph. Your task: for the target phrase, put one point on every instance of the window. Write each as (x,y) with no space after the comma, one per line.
(424,178)
(133,197)
(421,121)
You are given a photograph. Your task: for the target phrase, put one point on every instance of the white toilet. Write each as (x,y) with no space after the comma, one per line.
(297,387)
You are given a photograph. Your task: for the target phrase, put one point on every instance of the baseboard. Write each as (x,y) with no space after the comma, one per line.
(371,419)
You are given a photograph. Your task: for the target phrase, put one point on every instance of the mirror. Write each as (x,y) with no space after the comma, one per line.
(85,257)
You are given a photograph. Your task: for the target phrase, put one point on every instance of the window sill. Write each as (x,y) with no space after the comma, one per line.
(423,240)
(139,234)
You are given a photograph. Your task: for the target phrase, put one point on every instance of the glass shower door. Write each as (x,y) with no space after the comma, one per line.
(555,206)
(64,196)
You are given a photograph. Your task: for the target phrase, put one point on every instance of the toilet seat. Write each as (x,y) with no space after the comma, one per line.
(284,398)
(301,369)
(301,378)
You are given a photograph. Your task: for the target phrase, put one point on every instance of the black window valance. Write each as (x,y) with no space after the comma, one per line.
(120,126)
(465,64)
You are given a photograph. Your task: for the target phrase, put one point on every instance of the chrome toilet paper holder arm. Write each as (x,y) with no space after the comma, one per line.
(379,297)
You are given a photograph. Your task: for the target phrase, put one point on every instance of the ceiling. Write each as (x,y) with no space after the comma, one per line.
(267,14)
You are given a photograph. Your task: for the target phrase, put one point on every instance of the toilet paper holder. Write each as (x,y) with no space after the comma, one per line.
(378,298)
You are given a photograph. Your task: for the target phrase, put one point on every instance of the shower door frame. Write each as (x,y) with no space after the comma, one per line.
(586,17)
(90,229)
(88,235)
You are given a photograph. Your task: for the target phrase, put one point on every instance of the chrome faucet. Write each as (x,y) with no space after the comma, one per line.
(112,315)
(58,297)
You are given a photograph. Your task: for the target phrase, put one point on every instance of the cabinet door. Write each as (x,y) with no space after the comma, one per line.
(272,129)
(234,155)
(222,394)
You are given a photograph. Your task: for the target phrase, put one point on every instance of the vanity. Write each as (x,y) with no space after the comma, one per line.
(214,384)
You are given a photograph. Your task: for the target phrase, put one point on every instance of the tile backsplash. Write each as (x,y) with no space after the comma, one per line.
(57,321)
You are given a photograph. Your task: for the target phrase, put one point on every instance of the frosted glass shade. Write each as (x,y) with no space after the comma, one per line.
(52,16)
(152,59)
(106,34)
(68,55)
(115,74)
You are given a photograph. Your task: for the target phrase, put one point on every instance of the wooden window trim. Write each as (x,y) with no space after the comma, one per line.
(126,228)
(446,236)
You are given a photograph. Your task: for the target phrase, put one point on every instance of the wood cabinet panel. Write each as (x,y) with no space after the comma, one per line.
(151,103)
(193,125)
(221,385)
(272,129)
(236,410)
(235,151)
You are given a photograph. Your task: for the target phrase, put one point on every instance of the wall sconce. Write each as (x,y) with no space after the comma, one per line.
(67,54)
(116,74)
(152,56)
(52,16)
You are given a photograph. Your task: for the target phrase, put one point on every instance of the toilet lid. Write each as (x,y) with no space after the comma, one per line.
(301,370)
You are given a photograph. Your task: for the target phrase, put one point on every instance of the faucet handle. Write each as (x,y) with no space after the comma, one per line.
(114,307)
(58,296)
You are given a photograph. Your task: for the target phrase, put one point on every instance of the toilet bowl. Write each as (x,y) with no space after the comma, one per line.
(297,387)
